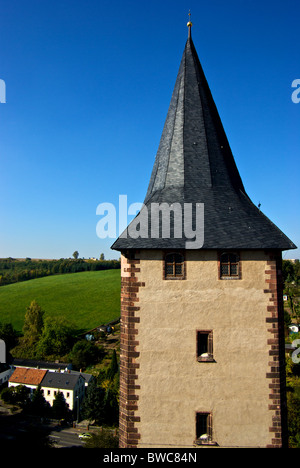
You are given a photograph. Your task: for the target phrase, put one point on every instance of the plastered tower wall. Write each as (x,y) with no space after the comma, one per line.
(163,385)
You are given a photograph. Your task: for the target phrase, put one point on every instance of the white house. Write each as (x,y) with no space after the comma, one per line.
(72,386)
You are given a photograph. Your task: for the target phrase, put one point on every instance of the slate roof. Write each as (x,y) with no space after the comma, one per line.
(194,164)
(34,363)
(87,377)
(60,380)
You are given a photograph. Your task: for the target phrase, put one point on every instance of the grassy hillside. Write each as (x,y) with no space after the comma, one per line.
(87,299)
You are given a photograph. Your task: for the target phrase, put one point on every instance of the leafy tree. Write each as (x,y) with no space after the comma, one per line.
(102,256)
(293,420)
(101,377)
(111,407)
(113,368)
(85,353)
(109,380)
(76,254)
(287,319)
(18,395)
(33,324)
(93,403)
(38,405)
(60,408)
(57,337)
(104,439)
(291,276)
(7,394)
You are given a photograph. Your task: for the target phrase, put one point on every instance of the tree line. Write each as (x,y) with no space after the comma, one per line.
(14,271)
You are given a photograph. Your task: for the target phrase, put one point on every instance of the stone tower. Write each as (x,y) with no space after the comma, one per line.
(202,344)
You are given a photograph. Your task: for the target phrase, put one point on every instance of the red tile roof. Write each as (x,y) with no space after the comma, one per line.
(27,376)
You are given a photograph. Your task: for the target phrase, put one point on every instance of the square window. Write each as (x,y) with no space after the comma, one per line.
(174,266)
(229,266)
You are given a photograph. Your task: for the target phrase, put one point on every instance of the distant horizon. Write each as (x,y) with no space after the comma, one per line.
(90,258)
(57,258)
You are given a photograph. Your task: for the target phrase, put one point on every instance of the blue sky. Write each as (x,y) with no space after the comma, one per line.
(88,85)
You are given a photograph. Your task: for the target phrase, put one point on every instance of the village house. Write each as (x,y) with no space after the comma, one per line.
(71,385)
(31,378)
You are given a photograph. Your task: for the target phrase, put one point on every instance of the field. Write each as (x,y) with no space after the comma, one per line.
(87,299)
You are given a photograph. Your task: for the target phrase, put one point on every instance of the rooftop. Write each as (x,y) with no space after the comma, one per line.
(60,380)
(26,376)
(194,165)
(37,364)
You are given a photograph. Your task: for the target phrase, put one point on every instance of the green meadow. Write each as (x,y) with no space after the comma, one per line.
(87,299)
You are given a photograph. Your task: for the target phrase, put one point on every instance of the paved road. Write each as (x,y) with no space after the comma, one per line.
(66,437)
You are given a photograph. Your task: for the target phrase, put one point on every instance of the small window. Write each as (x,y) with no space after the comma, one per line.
(205,346)
(204,435)
(229,266)
(174,266)
(203,427)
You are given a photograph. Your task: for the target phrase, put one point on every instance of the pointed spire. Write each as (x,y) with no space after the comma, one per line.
(194,165)
(193,152)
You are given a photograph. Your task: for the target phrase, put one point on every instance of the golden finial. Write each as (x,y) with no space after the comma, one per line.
(189,24)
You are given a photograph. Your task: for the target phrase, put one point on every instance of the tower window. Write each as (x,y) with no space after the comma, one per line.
(205,346)
(204,429)
(229,266)
(174,266)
